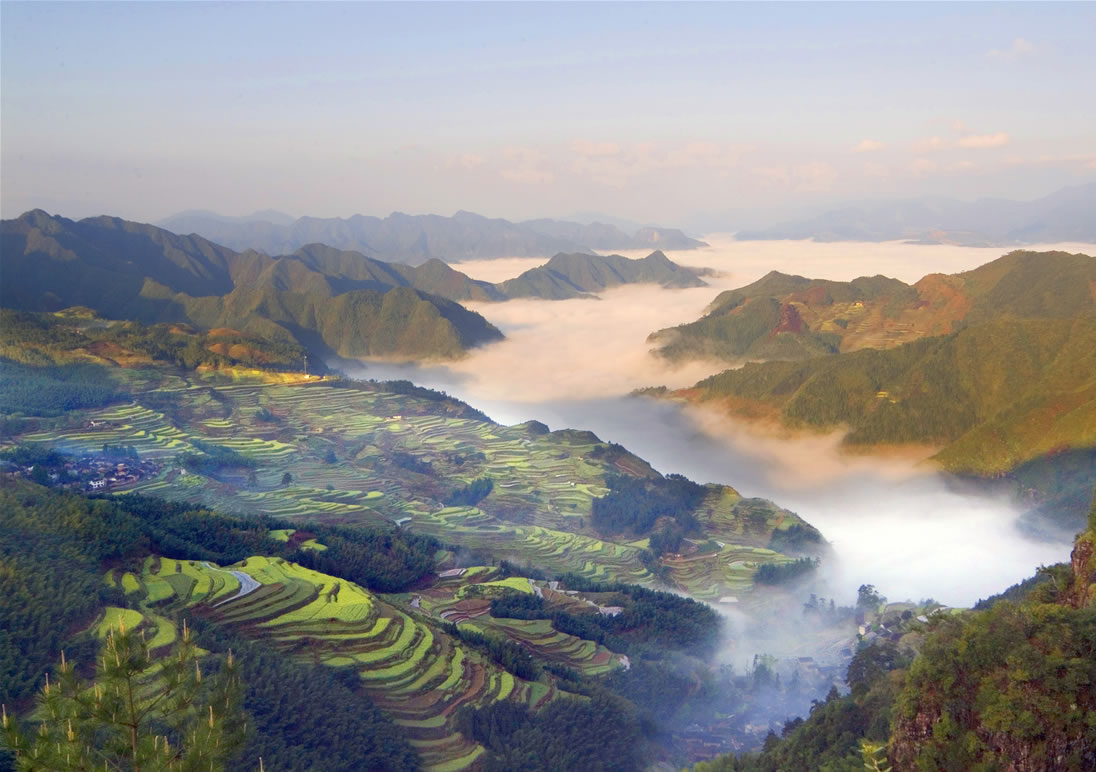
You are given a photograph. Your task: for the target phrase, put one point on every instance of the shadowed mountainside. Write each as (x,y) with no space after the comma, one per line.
(326,301)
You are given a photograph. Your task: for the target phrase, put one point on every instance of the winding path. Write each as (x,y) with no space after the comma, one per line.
(247,583)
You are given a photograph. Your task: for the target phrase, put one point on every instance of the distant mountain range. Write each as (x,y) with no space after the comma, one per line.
(793,318)
(415,239)
(1067,215)
(331,301)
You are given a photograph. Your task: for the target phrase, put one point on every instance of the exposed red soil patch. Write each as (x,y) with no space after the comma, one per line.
(790,320)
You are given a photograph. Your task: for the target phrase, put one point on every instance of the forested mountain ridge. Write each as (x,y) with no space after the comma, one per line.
(791,317)
(575,275)
(415,239)
(991,396)
(322,301)
(1065,215)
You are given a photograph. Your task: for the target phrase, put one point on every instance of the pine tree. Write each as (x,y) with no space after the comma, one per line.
(140,714)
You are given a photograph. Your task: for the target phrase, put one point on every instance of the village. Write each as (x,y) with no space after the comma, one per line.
(94,473)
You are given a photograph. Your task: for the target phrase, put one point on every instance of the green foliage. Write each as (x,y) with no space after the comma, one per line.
(471,494)
(54,390)
(875,756)
(992,689)
(1011,682)
(53,546)
(650,619)
(796,538)
(634,504)
(779,573)
(505,653)
(598,735)
(213,458)
(1018,591)
(139,713)
(867,597)
(51,549)
(382,559)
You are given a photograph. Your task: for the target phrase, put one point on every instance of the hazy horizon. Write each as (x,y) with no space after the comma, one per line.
(676,114)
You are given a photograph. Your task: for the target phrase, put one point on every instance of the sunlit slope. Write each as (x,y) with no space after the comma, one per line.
(408,665)
(993,395)
(369,455)
(783,317)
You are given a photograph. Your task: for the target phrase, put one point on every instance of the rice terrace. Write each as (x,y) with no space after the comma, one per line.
(342,452)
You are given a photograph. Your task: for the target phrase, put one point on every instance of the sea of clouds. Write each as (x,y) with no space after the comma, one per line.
(893,521)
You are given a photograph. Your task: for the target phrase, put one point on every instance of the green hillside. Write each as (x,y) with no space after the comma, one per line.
(782,317)
(327,301)
(993,395)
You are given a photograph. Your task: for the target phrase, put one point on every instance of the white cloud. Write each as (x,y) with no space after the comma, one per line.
(616,165)
(1018,49)
(868,145)
(586,148)
(982,141)
(814,177)
(526,165)
(929,144)
(922,166)
(873,169)
(467,161)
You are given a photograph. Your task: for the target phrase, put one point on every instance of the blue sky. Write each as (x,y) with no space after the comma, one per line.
(654,112)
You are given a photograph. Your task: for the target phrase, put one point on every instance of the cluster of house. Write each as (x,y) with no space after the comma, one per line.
(108,473)
(93,473)
(889,626)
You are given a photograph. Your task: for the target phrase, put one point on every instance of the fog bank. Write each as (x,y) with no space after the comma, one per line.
(893,522)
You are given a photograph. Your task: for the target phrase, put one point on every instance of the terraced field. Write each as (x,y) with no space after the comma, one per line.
(409,666)
(365,455)
(449,598)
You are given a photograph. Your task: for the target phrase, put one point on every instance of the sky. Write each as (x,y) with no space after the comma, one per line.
(652,112)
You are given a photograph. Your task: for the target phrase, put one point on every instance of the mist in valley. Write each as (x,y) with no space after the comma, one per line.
(892,521)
